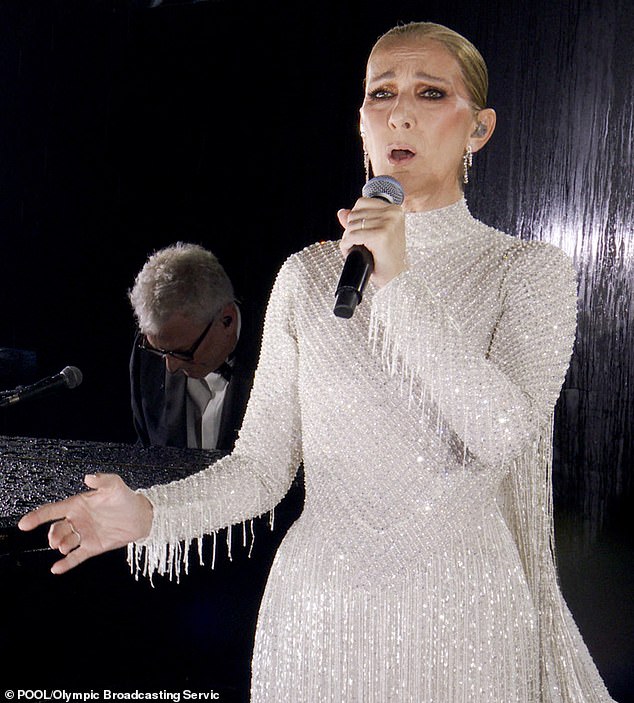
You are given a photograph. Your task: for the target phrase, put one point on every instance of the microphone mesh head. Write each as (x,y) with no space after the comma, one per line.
(384,187)
(72,375)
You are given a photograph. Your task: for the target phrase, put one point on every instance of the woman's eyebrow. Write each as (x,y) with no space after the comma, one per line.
(421,75)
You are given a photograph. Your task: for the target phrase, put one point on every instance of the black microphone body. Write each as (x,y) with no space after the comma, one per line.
(359,263)
(356,272)
(68,377)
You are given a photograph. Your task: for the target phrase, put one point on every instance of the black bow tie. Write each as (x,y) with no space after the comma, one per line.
(225,370)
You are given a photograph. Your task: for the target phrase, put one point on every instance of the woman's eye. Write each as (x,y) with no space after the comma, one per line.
(432,93)
(380,94)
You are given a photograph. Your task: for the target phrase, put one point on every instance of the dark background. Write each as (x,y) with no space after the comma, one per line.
(124,128)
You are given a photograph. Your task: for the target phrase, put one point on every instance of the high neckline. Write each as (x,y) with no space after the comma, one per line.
(444,224)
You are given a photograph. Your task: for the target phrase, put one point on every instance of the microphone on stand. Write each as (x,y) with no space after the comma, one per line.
(68,377)
(359,262)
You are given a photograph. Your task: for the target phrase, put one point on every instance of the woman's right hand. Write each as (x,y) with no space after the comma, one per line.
(380,227)
(108,516)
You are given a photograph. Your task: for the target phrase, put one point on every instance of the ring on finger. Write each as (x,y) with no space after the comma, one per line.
(363,224)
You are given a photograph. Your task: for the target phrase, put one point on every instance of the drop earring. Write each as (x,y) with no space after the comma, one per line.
(366,157)
(467,162)
(366,163)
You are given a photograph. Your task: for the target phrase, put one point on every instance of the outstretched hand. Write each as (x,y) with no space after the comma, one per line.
(108,516)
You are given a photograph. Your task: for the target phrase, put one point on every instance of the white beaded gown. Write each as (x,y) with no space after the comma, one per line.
(421,568)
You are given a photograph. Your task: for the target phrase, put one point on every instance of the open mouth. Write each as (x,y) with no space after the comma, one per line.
(398,156)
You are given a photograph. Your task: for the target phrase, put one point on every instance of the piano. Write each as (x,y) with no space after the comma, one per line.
(96,628)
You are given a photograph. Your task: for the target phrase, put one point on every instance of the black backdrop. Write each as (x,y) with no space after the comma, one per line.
(125,127)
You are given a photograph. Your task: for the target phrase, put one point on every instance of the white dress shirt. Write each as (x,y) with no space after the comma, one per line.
(205,397)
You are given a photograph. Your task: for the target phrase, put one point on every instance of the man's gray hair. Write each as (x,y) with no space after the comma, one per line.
(183,278)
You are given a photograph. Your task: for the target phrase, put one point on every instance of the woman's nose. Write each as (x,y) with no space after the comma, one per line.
(402,115)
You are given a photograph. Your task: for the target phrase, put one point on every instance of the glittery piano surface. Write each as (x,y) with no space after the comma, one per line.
(421,568)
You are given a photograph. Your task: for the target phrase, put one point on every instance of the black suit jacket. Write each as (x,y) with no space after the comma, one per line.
(159,401)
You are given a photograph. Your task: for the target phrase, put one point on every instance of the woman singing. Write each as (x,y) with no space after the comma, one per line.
(421,569)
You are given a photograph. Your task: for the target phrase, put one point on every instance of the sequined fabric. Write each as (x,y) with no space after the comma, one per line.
(421,568)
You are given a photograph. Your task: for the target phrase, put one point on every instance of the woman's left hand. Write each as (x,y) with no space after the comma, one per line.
(108,516)
(380,227)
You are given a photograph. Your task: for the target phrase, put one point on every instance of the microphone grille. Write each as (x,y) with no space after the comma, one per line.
(72,375)
(384,187)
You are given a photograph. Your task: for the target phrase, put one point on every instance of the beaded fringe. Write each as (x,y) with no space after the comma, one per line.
(409,357)
(567,672)
(169,557)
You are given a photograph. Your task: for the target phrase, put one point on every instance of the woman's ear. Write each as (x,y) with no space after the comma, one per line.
(484,127)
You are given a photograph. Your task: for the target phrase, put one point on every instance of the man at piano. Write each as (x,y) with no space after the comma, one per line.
(190,377)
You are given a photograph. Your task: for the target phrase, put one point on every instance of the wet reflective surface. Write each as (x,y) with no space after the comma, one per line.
(37,471)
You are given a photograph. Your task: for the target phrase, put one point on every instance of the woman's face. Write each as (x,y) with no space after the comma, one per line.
(417,120)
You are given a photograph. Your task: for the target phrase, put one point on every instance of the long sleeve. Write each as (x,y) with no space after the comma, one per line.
(257,474)
(496,400)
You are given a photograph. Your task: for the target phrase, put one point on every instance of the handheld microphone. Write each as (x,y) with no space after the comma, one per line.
(68,377)
(359,262)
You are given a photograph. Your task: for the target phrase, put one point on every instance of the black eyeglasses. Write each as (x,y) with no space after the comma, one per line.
(186,355)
